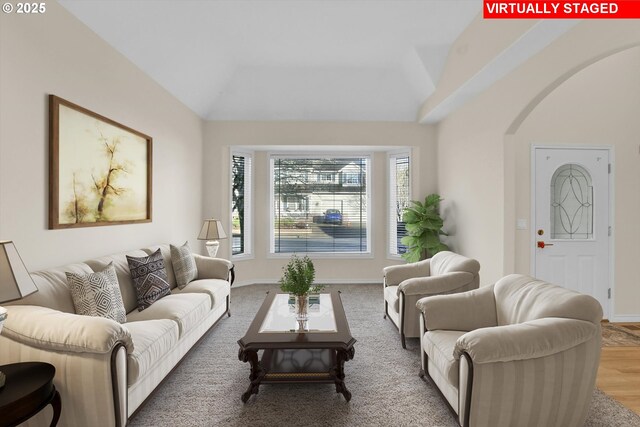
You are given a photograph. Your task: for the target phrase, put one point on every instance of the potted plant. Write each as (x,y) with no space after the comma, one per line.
(423,225)
(297,279)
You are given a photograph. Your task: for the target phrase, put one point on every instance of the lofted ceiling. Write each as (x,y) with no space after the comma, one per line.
(286,60)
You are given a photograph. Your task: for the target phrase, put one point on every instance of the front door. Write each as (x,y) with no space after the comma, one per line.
(571,219)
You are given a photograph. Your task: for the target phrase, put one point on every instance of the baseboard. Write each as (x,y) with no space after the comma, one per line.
(323,282)
(625,318)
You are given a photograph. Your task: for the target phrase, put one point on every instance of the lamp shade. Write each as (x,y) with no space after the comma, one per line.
(212,230)
(15,281)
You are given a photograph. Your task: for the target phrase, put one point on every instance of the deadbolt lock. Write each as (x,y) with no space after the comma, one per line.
(540,232)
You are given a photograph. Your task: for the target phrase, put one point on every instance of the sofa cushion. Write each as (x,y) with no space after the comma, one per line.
(149,278)
(124,276)
(391,297)
(184,266)
(217,289)
(439,346)
(97,294)
(53,288)
(166,256)
(152,340)
(522,298)
(186,309)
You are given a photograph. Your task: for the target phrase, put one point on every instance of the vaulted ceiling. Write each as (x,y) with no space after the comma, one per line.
(322,60)
(286,60)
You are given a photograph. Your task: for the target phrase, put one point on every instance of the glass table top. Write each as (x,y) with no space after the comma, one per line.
(281,316)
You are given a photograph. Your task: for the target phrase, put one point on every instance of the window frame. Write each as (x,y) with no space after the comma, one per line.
(391,215)
(369,155)
(248,237)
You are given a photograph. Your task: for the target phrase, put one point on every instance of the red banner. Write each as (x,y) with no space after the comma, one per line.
(589,9)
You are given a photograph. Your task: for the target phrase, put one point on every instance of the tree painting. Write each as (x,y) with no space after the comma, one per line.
(103,171)
(105,186)
(77,209)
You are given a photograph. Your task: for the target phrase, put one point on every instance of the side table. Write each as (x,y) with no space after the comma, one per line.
(28,389)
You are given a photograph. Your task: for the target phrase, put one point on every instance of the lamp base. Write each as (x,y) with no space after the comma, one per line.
(212,247)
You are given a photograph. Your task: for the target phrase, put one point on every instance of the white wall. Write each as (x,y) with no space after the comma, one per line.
(599,105)
(221,136)
(54,53)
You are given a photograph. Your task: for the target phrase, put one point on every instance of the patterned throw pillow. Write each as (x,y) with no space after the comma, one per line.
(184,266)
(149,278)
(98,294)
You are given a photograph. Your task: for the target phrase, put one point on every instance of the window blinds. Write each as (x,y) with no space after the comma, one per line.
(319,204)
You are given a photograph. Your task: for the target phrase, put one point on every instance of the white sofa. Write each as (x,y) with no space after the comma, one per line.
(104,369)
(521,352)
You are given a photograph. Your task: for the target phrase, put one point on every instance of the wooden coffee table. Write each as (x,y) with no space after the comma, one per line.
(314,354)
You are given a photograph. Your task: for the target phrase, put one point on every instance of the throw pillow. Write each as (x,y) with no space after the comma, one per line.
(184,266)
(149,278)
(97,294)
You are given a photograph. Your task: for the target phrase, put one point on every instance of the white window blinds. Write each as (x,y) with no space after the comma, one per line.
(241,203)
(320,204)
(399,198)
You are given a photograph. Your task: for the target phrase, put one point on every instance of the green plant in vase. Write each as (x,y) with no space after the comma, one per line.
(424,227)
(297,279)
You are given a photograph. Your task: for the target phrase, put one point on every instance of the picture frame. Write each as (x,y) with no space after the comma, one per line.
(100,171)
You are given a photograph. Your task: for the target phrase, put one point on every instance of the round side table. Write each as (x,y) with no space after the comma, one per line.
(27,390)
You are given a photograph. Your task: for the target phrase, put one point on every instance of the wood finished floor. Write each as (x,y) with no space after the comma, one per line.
(619,372)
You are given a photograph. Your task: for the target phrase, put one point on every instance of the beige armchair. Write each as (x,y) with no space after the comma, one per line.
(521,352)
(404,285)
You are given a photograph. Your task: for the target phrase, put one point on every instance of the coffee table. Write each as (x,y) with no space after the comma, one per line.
(316,353)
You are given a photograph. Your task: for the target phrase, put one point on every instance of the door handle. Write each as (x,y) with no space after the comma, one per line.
(542,244)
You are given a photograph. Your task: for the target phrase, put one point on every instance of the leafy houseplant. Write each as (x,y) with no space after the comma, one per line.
(424,227)
(297,280)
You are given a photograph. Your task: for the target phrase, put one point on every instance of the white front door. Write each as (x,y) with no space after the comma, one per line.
(571,219)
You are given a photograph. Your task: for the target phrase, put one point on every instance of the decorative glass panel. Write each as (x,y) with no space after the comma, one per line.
(571,203)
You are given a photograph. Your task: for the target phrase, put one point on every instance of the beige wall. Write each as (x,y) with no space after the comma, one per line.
(476,155)
(54,53)
(480,43)
(220,136)
(599,105)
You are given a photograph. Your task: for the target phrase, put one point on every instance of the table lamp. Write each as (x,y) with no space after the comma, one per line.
(212,231)
(15,281)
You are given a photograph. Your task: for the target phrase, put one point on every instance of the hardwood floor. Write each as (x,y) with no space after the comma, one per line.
(619,373)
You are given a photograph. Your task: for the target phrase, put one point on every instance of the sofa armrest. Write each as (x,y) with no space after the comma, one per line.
(48,329)
(464,311)
(212,268)
(528,340)
(395,274)
(434,285)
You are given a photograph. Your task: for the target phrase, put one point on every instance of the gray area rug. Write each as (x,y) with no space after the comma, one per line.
(205,389)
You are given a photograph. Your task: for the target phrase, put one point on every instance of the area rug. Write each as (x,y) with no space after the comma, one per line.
(204,390)
(619,336)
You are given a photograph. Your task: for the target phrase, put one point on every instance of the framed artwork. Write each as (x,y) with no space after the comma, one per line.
(99,170)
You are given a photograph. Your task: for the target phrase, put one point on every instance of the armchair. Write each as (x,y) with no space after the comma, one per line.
(404,285)
(520,352)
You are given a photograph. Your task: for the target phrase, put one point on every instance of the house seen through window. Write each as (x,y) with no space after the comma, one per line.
(319,205)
